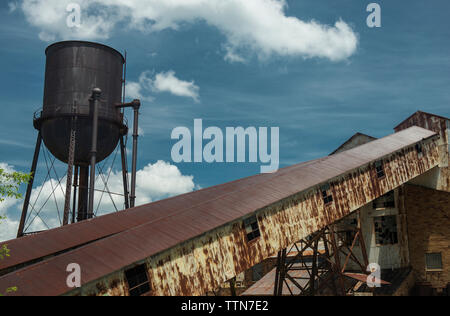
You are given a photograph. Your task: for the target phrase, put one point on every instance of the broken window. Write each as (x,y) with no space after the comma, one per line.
(326,194)
(433,261)
(380,169)
(384,202)
(252,228)
(386,230)
(137,279)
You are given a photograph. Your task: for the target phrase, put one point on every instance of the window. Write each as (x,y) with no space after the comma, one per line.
(384,202)
(419,150)
(386,230)
(137,280)
(252,228)
(433,261)
(326,194)
(380,169)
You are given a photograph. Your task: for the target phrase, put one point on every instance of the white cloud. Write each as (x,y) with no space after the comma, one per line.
(258,27)
(167,82)
(136,90)
(154,182)
(8,229)
(8,201)
(161,82)
(141,133)
(12,6)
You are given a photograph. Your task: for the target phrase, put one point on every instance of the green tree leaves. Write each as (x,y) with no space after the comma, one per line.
(10,183)
(9,188)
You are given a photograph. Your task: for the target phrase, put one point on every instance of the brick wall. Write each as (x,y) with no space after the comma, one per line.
(428,218)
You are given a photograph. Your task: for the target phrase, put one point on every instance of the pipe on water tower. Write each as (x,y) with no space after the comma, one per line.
(134,162)
(136,104)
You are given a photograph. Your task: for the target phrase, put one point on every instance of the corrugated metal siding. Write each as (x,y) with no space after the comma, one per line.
(435,123)
(198,245)
(441,126)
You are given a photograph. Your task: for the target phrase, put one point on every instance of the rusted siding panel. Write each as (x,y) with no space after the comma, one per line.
(202,264)
(435,123)
(441,126)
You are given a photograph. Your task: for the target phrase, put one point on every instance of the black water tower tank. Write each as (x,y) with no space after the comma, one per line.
(73,69)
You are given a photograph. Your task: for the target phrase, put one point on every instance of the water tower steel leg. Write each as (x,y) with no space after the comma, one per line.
(134,163)
(75,185)
(30,186)
(83,193)
(96,93)
(124,173)
(70,168)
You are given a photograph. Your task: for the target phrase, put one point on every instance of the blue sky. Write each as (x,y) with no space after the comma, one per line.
(316,102)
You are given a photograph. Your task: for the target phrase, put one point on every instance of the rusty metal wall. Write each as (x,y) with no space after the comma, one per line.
(440,125)
(203,263)
(435,123)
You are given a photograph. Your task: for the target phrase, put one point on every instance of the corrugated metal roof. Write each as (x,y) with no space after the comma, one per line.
(149,229)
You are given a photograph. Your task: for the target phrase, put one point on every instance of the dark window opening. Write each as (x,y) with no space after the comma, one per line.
(419,150)
(252,228)
(137,279)
(386,230)
(433,261)
(350,237)
(380,169)
(384,202)
(326,194)
(347,231)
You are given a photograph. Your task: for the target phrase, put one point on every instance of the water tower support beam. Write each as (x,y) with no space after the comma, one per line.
(70,168)
(96,94)
(30,186)
(75,185)
(83,193)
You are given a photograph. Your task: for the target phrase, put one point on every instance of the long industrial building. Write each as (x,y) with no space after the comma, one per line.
(314,227)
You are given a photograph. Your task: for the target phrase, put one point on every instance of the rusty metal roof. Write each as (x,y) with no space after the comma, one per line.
(115,241)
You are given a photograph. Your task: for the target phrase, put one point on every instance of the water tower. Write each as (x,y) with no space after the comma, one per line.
(82,121)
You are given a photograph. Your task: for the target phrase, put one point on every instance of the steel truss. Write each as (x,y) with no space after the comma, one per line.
(319,264)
